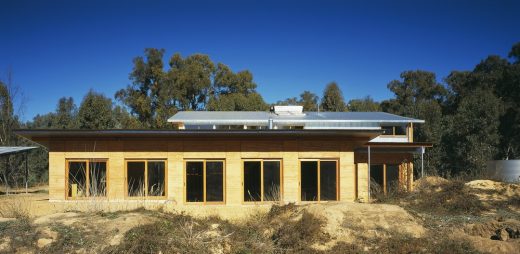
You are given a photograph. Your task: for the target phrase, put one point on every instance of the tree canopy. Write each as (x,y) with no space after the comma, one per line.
(332,99)
(96,112)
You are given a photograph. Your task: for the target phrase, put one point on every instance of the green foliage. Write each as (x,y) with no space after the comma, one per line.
(332,99)
(414,86)
(234,91)
(8,120)
(289,102)
(190,83)
(123,119)
(366,104)
(66,111)
(309,101)
(472,136)
(148,79)
(515,53)
(191,80)
(237,102)
(95,112)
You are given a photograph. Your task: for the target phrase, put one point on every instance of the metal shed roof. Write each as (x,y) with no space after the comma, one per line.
(262,118)
(5,150)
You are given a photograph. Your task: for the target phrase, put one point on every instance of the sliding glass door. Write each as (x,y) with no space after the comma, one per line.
(319,180)
(262,180)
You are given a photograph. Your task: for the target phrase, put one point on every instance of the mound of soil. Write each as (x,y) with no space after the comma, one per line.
(430,184)
(348,223)
(495,190)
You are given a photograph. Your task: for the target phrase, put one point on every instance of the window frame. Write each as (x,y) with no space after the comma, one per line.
(393,131)
(87,177)
(204,202)
(262,201)
(318,194)
(146,179)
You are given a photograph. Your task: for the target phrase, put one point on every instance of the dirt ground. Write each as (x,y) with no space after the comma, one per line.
(29,223)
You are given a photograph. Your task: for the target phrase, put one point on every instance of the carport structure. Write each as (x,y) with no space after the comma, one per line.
(7,151)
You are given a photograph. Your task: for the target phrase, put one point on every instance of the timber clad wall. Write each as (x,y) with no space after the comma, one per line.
(352,184)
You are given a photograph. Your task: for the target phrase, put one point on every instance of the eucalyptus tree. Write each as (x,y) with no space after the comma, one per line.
(96,112)
(332,99)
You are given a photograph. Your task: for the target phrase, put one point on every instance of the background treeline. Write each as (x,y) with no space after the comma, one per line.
(471,116)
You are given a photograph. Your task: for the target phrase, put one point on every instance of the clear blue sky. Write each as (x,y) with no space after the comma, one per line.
(64,48)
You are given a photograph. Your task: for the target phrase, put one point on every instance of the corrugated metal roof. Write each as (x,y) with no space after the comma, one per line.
(59,133)
(4,150)
(262,118)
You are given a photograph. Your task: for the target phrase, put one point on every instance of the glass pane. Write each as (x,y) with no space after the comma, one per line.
(400,130)
(194,181)
(376,175)
(77,179)
(328,180)
(214,181)
(252,181)
(98,179)
(392,177)
(272,191)
(388,130)
(309,180)
(156,178)
(135,178)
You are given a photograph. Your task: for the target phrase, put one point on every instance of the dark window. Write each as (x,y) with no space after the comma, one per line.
(156,178)
(272,190)
(135,178)
(326,172)
(328,180)
(252,180)
(309,180)
(210,173)
(388,130)
(214,181)
(394,130)
(77,179)
(98,179)
(195,181)
(257,188)
(400,130)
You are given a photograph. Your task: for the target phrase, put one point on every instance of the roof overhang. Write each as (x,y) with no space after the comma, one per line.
(8,150)
(56,133)
(394,147)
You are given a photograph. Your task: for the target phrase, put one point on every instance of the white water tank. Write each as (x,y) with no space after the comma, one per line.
(504,170)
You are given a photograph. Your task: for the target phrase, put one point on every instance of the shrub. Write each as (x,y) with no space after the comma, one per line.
(299,235)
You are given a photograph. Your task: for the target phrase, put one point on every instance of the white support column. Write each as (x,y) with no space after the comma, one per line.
(422,161)
(26,174)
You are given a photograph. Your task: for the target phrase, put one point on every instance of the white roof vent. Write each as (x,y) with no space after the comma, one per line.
(289,110)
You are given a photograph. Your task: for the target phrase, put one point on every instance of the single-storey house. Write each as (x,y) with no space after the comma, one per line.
(235,158)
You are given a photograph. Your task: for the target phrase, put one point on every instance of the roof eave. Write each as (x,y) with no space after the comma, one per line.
(43,134)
